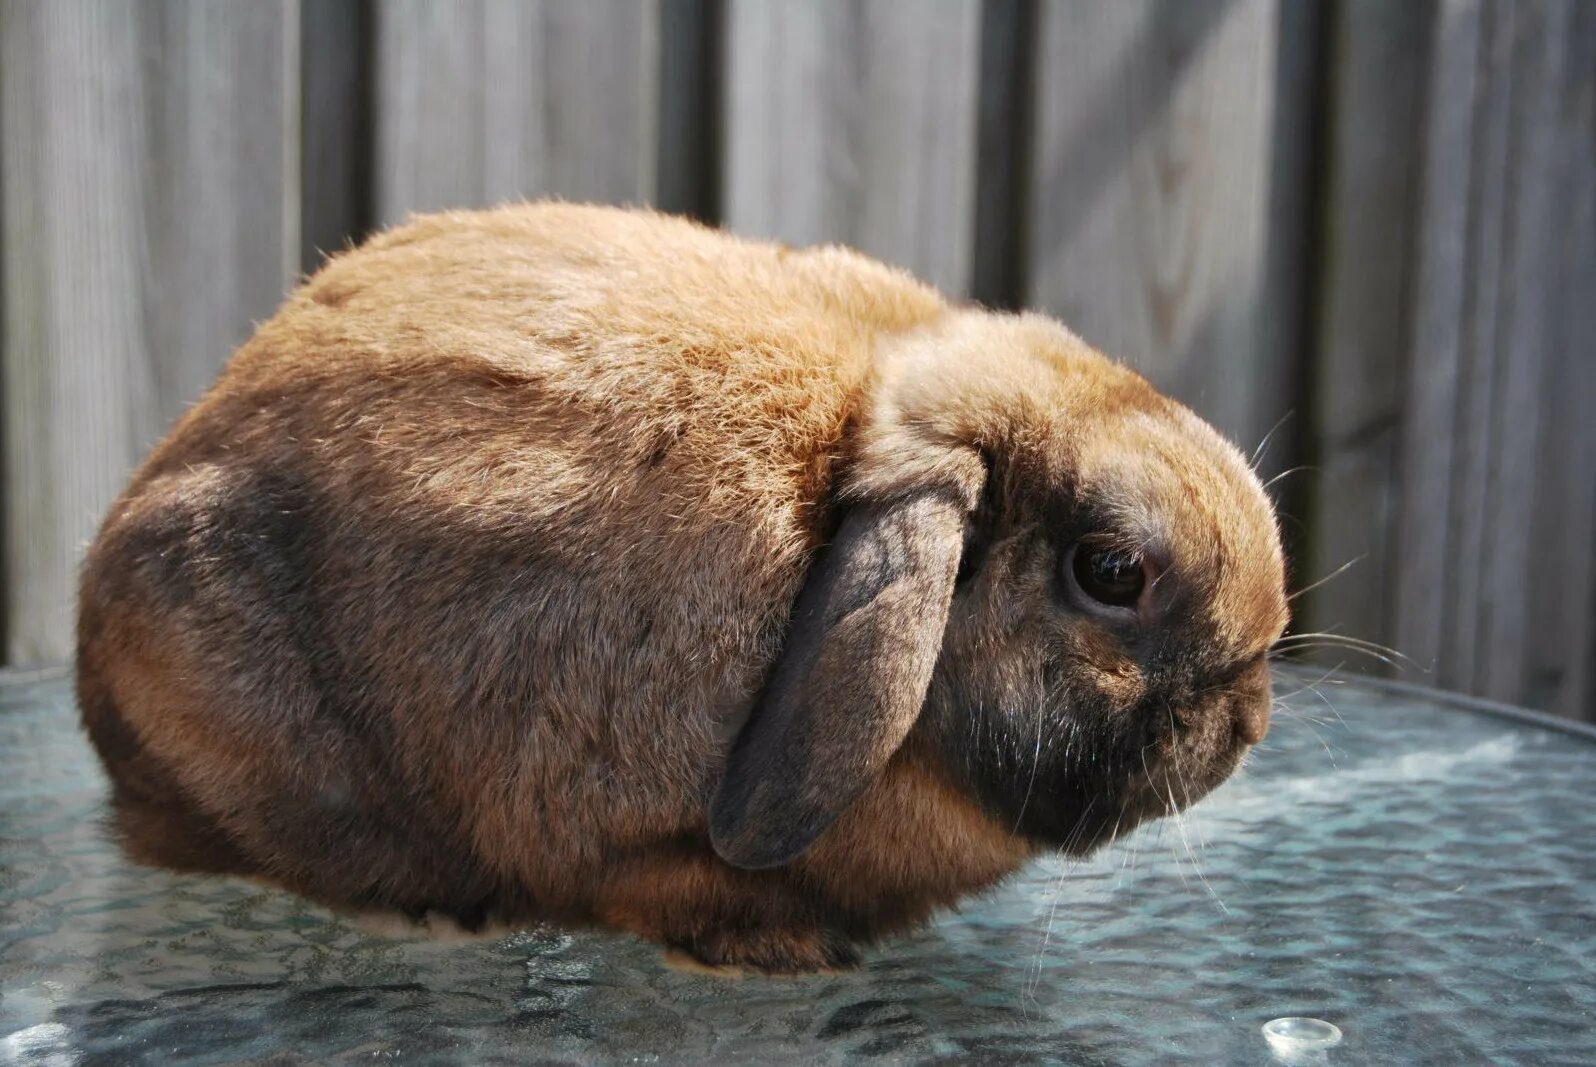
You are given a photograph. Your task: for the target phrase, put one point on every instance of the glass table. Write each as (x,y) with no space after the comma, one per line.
(1417,870)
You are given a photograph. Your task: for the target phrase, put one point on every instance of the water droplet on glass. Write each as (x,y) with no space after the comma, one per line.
(1296,1036)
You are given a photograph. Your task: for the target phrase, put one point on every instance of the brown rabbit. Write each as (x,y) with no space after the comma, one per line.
(576,564)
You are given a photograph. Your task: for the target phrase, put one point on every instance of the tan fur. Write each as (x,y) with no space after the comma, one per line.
(482,549)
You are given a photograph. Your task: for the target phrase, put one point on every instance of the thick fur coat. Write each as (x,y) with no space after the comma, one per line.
(570,563)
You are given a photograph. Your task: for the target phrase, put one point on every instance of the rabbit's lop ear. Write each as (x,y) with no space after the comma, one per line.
(865,636)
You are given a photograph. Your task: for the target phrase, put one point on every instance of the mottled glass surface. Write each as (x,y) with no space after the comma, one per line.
(1420,873)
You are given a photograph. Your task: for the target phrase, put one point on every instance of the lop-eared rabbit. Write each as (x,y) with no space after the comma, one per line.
(572,564)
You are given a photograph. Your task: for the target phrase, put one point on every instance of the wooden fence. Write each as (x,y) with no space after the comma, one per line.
(1371,223)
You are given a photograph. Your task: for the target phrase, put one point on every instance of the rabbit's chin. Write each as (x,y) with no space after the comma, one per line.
(1085,812)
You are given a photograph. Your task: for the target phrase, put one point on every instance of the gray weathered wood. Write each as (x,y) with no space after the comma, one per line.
(148,218)
(1291,235)
(1378,71)
(335,127)
(1560,654)
(856,122)
(222,204)
(1431,599)
(1008,70)
(1496,588)
(1423,579)
(1149,177)
(72,251)
(1539,510)
(483,101)
(1515,362)
(1150,199)
(691,41)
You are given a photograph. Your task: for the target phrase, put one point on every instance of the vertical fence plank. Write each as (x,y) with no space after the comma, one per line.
(1496,587)
(75,363)
(1151,192)
(1378,72)
(691,65)
(1436,601)
(1531,518)
(1007,83)
(335,127)
(147,220)
(490,100)
(222,202)
(856,122)
(1516,360)
(1437,310)
(1560,655)
(163,173)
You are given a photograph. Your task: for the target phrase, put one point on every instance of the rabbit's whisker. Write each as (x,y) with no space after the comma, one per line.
(1263,446)
(1034,978)
(1285,473)
(1036,760)
(1338,572)
(1296,644)
(1295,716)
(1327,676)
(1346,639)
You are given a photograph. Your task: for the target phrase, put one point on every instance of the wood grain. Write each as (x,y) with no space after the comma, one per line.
(1003,146)
(856,122)
(1496,587)
(483,101)
(148,208)
(1378,71)
(336,72)
(691,66)
(1381,216)
(1151,191)
(1560,657)
(1438,311)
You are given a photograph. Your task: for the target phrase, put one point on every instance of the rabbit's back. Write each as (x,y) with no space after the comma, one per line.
(455,583)
(465,351)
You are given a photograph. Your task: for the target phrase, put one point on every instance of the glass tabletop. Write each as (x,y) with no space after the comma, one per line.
(1416,870)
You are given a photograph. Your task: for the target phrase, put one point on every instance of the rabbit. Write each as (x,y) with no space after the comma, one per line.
(591,566)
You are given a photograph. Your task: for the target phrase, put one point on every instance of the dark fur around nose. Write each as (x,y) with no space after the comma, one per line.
(1251,717)
(1248,716)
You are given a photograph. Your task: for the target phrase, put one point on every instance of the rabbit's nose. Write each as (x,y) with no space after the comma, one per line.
(1252,720)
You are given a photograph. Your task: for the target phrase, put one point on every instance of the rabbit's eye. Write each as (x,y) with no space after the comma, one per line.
(1108,575)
